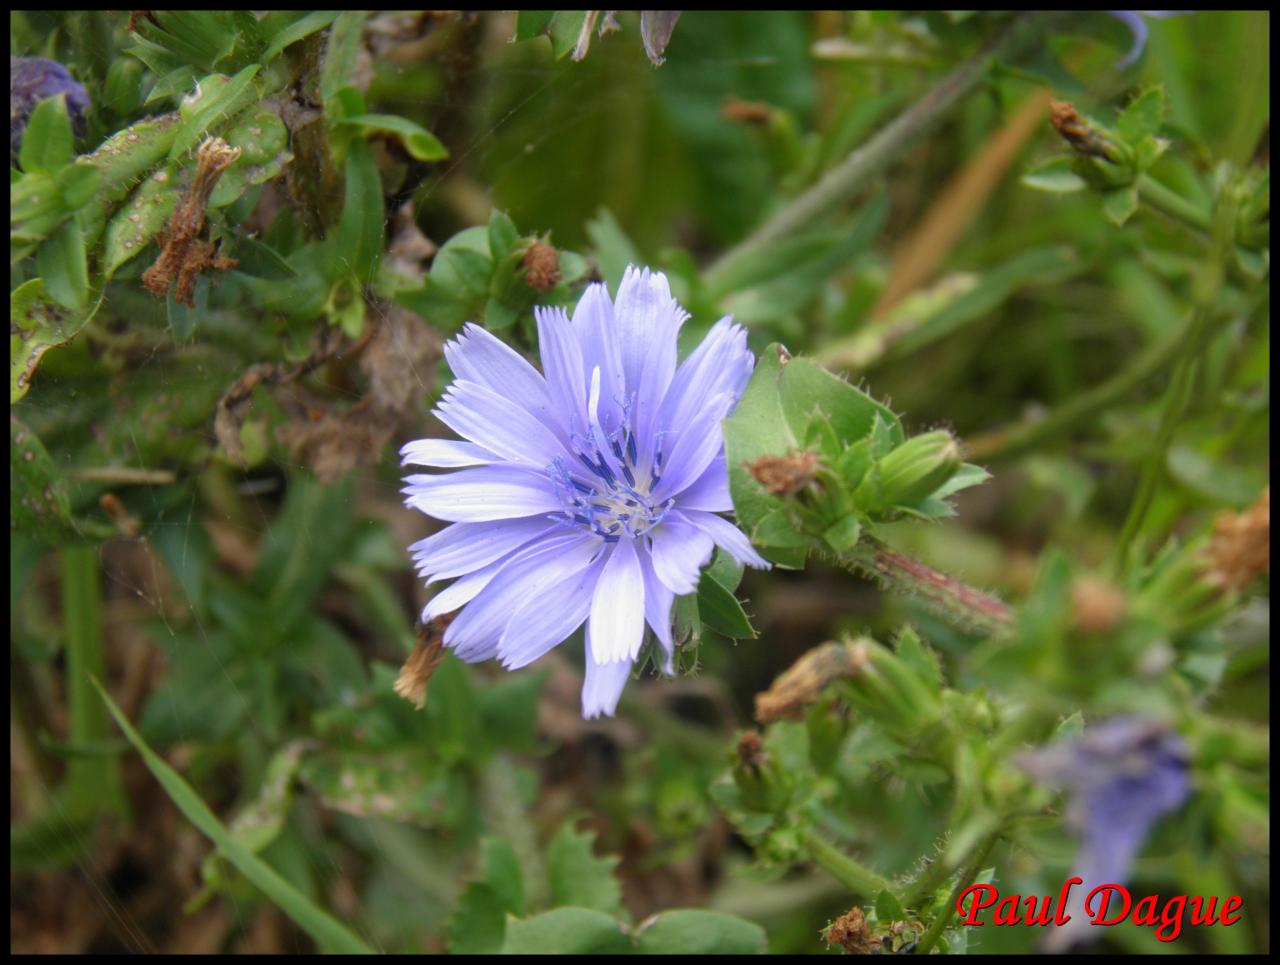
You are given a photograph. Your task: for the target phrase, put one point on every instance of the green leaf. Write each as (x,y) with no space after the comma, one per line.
(503,235)
(38,504)
(328,932)
(721,611)
(1119,204)
(421,144)
(1143,117)
(36,324)
(218,99)
(888,908)
(260,260)
(47,142)
(360,229)
(1057,176)
(565,931)
(62,263)
(565,30)
(532,23)
(613,249)
(340,56)
(478,923)
(303,27)
(758,428)
(577,876)
(689,931)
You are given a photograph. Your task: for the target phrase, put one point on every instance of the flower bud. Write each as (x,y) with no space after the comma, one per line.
(911,472)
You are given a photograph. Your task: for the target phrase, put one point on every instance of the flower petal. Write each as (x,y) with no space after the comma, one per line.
(478,356)
(728,537)
(617,607)
(710,491)
(464,547)
(697,444)
(657,609)
(602,684)
(721,364)
(647,323)
(475,632)
(445,454)
(488,492)
(498,424)
(563,365)
(461,592)
(680,550)
(543,622)
(593,325)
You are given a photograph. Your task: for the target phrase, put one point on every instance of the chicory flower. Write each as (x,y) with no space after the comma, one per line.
(1123,775)
(33,79)
(1133,19)
(587,493)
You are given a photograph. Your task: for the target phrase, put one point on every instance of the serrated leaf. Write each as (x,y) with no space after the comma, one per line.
(565,931)
(577,876)
(478,923)
(690,931)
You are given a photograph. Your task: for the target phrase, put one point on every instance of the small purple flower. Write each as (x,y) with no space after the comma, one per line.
(1133,19)
(1123,775)
(585,493)
(33,79)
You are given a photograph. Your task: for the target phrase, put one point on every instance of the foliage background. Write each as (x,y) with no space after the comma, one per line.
(249,615)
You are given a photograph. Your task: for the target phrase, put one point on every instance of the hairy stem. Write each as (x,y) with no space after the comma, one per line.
(862,881)
(939,924)
(957,601)
(854,171)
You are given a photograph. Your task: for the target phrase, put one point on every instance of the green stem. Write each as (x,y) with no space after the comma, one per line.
(1003,444)
(1171,203)
(91,780)
(954,600)
(939,924)
(861,881)
(853,172)
(1176,399)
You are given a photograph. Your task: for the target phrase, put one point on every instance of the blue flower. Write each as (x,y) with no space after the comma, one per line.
(1123,775)
(587,493)
(33,79)
(1133,19)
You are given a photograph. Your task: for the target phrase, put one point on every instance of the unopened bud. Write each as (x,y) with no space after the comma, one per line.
(911,472)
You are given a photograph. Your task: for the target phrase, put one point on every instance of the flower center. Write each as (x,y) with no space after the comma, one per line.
(600,491)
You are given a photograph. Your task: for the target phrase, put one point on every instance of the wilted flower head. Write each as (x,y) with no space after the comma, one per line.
(33,79)
(588,492)
(1123,775)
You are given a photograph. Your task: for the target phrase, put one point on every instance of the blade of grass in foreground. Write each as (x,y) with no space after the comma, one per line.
(329,934)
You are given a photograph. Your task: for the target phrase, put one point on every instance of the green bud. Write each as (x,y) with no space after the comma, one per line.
(911,472)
